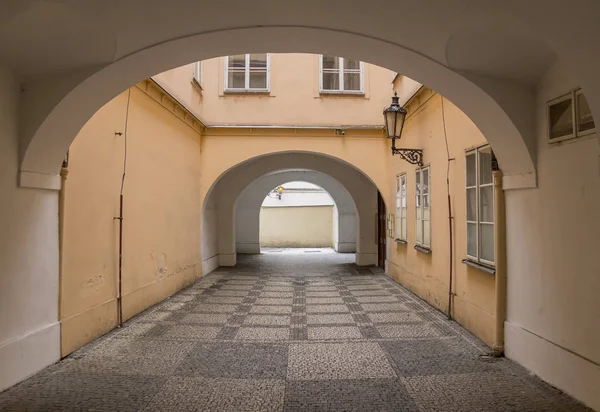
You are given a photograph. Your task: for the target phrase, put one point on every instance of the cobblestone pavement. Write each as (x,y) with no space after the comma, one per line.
(287,332)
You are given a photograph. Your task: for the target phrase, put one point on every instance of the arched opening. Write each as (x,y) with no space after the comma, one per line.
(344,218)
(229,202)
(298,215)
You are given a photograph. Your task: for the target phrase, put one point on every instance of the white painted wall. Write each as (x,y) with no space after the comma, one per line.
(29,328)
(249,203)
(553,320)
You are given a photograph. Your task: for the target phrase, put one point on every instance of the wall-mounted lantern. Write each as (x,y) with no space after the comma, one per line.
(394,117)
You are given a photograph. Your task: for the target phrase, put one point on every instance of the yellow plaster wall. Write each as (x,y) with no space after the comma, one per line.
(161,245)
(293,99)
(427,275)
(301,226)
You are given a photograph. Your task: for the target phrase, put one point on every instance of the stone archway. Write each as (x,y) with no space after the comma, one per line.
(218,217)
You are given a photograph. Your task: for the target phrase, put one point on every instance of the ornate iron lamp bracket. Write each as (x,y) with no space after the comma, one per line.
(412,156)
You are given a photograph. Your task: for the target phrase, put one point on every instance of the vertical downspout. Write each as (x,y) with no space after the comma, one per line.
(64,171)
(500,253)
(120,218)
(450,232)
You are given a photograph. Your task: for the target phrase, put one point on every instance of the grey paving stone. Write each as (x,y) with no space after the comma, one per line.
(326,309)
(271,309)
(81,392)
(341,342)
(395,317)
(218,395)
(263,333)
(319,361)
(435,357)
(274,301)
(485,392)
(275,320)
(334,332)
(333,319)
(364,395)
(234,360)
(324,301)
(408,330)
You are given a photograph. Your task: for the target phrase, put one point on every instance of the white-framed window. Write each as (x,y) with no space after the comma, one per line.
(341,75)
(247,72)
(401,207)
(197,73)
(423,206)
(480,205)
(569,116)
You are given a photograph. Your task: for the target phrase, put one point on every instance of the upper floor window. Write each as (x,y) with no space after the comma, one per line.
(569,116)
(423,208)
(401,207)
(197,74)
(480,205)
(340,75)
(247,73)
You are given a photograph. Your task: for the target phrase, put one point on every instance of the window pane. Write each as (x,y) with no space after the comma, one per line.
(487,242)
(426,201)
(419,232)
(258,60)
(486,199)
(561,119)
(352,81)
(398,227)
(331,62)
(585,121)
(403,234)
(237,60)
(427,233)
(485,166)
(351,64)
(258,80)
(472,239)
(472,204)
(471,170)
(425,181)
(236,80)
(331,81)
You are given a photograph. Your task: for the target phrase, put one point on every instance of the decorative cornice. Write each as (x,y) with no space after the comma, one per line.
(162,97)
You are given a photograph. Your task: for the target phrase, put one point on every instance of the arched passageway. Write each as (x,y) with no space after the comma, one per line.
(500,62)
(248,209)
(219,215)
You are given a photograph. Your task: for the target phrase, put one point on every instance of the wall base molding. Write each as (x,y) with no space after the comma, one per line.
(561,368)
(24,356)
(345,247)
(366,259)
(210,264)
(248,248)
(229,259)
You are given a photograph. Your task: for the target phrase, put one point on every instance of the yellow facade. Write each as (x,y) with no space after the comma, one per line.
(161,213)
(444,133)
(173,160)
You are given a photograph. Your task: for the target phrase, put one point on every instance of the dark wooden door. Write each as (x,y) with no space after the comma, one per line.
(381,231)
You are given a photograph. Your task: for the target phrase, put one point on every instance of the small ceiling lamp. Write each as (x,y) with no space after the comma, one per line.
(394,117)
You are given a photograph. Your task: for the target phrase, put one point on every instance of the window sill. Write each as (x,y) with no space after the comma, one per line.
(484,268)
(404,242)
(423,249)
(247,92)
(341,93)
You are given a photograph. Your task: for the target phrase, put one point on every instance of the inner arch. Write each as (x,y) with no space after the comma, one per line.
(248,207)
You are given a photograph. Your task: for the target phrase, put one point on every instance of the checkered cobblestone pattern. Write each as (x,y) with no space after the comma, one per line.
(287,333)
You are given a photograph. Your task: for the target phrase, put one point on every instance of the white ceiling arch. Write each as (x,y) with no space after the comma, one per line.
(427,42)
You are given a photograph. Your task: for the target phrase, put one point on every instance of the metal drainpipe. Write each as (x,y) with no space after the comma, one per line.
(64,171)
(500,254)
